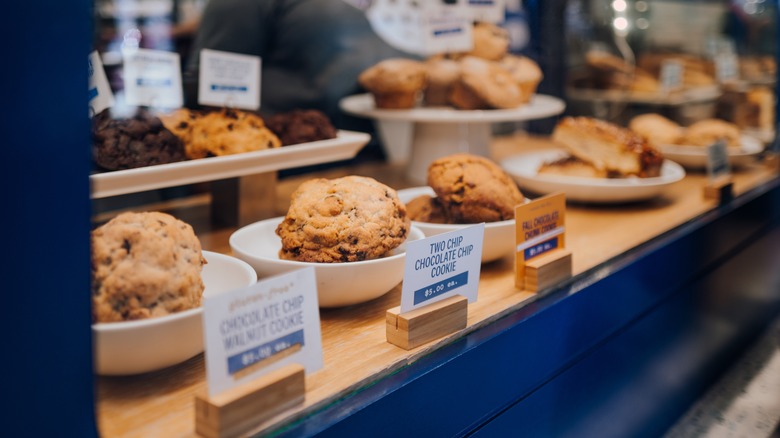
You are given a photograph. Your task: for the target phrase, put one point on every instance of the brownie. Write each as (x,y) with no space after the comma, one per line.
(301,126)
(137,141)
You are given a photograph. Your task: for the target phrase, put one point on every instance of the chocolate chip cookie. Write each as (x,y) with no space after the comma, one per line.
(342,220)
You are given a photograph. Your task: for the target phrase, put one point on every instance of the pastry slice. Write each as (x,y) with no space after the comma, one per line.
(608,147)
(571,166)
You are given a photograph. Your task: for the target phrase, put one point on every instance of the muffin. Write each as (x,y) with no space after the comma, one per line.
(491,42)
(144,265)
(139,141)
(657,129)
(345,219)
(442,74)
(473,189)
(301,126)
(526,73)
(395,83)
(484,85)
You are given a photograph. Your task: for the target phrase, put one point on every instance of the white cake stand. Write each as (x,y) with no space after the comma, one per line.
(420,135)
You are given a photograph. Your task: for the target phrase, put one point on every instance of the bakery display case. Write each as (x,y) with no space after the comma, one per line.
(668,286)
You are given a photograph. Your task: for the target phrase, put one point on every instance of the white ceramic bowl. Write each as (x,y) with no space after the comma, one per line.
(499,240)
(134,347)
(338,284)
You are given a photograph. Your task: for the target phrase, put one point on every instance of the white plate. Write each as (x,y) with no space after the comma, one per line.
(499,240)
(540,106)
(682,97)
(338,284)
(524,167)
(346,145)
(695,157)
(133,347)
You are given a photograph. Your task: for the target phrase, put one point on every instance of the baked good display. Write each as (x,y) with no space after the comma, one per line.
(657,129)
(608,147)
(491,42)
(484,85)
(427,208)
(395,83)
(572,166)
(137,141)
(144,265)
(442,74)
(229,131)
(708,131)
(526,73)
(301,126)
(346,219)
(473,189)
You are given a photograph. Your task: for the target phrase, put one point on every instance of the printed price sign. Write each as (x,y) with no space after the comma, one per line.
(539,229)
(252,331)
(672,72)
(152,78)
(423,28)
(100,95)
(441,266)
(717,160)
(229,79)
(726,67)
(490,11)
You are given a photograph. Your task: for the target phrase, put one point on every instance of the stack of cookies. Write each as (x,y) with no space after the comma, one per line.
(469,189)
(487,77)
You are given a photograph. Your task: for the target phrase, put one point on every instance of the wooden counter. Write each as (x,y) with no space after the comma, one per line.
(355,350)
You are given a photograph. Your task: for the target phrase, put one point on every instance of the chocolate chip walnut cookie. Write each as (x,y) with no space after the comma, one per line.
(144,265)
(345,219)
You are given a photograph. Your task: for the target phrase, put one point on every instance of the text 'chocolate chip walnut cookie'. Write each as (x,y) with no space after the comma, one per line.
(144,265)
(345,219)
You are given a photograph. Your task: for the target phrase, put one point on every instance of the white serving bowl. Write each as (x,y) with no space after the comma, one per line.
(499,240)
(134,347)
(338,284)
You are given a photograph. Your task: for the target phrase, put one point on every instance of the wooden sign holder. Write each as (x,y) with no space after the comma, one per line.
(414,328)
(548,269)
(720,189)
(238,410)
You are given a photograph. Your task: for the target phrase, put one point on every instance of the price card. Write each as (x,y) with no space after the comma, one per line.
(252,331)
(490,11)
(539,229)
(672,72)
(229,79)
(152,78)
(441,266)
(726,67)
(717,160)
(100,95)
(422,28)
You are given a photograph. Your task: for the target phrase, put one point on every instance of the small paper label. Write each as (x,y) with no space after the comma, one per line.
(717,160)
(252,331)
(152,78)
(100,95)
(442,266)
(726,67)
(448,28)
(539,229)
(489,11)
(229,80)
(671,75)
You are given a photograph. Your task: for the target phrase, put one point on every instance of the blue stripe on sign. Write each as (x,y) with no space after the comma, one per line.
(541,248)
(447,31)
(444,286)
(92,93)
(244,359)
(217,87)
(146,82)
(481,2)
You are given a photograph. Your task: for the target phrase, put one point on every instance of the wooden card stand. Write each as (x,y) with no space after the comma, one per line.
(548,269)
(412,329)
(238,410)
(720,189)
